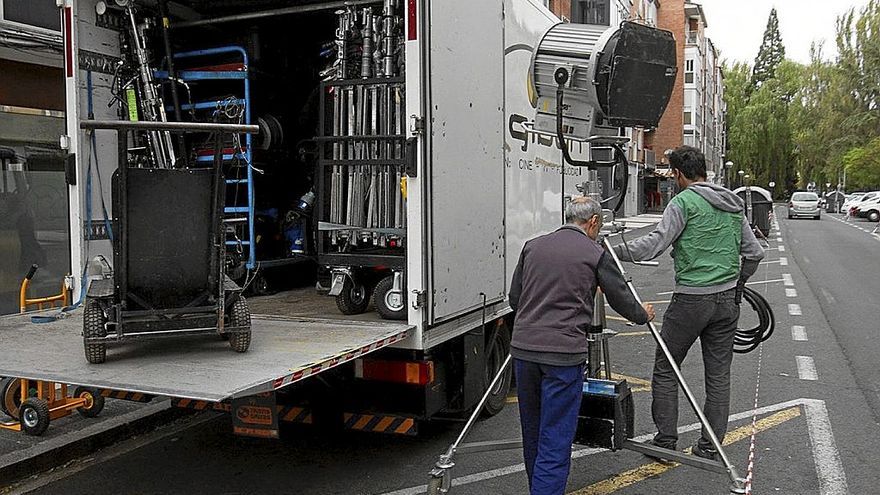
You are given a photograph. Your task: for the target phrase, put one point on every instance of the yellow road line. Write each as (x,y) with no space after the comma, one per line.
(646,471)
(636,384)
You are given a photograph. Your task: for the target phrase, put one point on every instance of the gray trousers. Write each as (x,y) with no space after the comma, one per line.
(712,318)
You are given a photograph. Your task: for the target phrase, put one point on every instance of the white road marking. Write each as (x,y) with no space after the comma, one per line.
(798,333)
(783,261)
(771,262)
(790,292)
(806,368)
(781,248)
(832,479)
(794,309)
(779,239)
(787,280)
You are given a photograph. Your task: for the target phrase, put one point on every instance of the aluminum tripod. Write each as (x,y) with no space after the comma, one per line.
(440,481)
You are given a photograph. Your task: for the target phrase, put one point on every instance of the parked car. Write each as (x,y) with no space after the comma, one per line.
(804,204)
(869,209)
(851,200)
(856,205)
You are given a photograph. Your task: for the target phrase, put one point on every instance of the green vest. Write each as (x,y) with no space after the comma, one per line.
(707,251)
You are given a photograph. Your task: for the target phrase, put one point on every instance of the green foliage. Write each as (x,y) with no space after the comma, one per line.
(793,124)
(771,53)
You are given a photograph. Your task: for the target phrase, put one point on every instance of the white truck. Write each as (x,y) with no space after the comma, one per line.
(479,182)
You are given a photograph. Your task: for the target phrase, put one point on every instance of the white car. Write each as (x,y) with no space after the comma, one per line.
(850,200)
(856,205)
(869,209)
(804,204)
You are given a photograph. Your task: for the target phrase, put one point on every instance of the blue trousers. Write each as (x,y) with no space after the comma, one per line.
(549,400)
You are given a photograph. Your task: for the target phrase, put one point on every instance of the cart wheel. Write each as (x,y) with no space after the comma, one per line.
(94,402)
(260,285)
(10,396)
(93,326)
(390,305)
(497,352)
(435,486)
(240,316)
(34,416)
(354,298)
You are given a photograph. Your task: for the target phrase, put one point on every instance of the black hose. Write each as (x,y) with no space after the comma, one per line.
(748,339)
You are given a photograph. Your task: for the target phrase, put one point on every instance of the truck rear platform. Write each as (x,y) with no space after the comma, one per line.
(284,350)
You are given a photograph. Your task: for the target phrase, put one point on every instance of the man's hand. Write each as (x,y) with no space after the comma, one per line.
(649,308)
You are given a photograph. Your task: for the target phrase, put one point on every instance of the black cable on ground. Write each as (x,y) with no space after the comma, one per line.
(748,339)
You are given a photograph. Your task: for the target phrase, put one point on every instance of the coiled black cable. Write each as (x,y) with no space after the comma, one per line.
(748,339)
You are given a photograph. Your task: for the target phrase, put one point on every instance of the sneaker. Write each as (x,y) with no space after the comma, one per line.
(705,453)
(661,460)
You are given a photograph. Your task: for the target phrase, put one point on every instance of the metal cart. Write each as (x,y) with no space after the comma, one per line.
(168,252)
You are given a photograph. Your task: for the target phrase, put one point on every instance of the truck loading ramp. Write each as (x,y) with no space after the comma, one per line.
(284,350)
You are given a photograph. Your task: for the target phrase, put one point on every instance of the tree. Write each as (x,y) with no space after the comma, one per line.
(771,53)
(863,165)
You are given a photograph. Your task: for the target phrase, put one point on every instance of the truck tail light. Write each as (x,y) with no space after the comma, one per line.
(411,372)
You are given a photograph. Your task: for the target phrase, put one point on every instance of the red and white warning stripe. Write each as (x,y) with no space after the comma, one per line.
(312,369)
(751,468)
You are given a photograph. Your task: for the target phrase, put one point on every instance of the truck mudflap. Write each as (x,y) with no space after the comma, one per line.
(284,350)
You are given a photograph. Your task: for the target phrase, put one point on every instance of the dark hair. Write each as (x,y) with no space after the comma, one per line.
(689,161)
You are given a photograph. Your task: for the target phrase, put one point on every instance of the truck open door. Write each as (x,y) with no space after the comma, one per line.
(465,140)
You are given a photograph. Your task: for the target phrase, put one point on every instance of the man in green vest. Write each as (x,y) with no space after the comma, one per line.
(715,253)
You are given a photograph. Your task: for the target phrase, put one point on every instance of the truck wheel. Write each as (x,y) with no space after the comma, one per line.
(260,285)
(389,304)
(34,416)
(497,350)
(93,326)
(240,316)
(94,402)
(354,298)
(874,216)
(10,396)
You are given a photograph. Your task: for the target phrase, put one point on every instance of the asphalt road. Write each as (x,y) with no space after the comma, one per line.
(815,383)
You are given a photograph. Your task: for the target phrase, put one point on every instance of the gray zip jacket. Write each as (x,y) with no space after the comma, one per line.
(673,224)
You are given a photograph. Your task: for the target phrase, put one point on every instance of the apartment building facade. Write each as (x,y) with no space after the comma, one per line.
(696,113)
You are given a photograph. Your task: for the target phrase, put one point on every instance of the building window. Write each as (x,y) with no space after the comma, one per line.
(591,12)
(36,13)
(689,71)
(687,118)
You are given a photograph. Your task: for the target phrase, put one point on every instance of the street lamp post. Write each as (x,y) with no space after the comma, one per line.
(741,173)
(727,166)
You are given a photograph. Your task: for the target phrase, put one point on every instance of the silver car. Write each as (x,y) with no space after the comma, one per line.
(804,204)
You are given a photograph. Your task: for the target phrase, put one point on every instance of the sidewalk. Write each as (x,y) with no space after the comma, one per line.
(74,436)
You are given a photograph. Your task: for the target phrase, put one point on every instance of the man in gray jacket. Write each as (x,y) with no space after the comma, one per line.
(552,293)
(715,253)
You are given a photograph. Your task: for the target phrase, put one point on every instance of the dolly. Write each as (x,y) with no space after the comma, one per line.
(39,402)
(606,417)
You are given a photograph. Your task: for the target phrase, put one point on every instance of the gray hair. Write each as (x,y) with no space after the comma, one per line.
(581,209)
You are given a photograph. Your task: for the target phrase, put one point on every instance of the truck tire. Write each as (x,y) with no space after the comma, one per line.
(497,349)
(10,396)
(93,326)
(389,305)
(240,316)
(34,416)
(94,402)
(354,298)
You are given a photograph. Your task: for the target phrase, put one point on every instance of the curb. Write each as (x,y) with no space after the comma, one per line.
(57,451)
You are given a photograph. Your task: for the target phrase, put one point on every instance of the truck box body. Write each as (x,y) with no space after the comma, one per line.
(481,187)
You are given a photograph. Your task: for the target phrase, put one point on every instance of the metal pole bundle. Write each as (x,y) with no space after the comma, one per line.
(368,117)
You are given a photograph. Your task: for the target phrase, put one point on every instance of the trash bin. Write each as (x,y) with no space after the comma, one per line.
(762,205)
(834,201)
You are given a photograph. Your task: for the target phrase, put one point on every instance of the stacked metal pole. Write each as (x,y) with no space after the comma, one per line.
(152,107)
(367,197)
